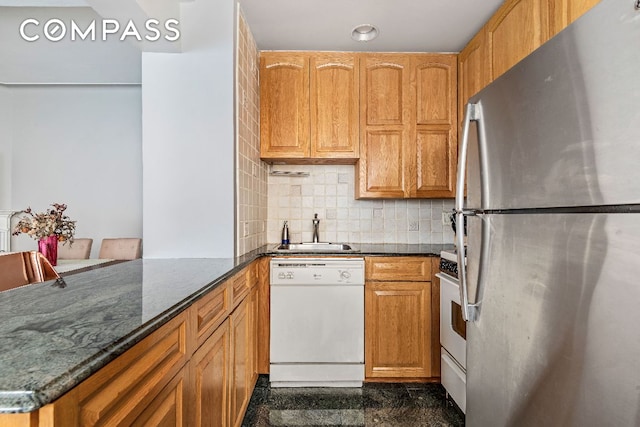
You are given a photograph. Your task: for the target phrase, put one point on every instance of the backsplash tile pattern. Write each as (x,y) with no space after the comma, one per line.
(329,192)
(251,175)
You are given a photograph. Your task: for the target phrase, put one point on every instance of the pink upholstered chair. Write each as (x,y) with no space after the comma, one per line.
(79,249)
(123,248)
(22,268)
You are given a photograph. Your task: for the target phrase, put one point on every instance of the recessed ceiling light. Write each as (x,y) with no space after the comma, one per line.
(364,33)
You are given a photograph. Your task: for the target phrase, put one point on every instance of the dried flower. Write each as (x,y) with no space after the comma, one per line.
(52,222)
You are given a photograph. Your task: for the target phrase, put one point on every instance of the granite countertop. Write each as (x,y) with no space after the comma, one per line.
(55,334)
(372,249)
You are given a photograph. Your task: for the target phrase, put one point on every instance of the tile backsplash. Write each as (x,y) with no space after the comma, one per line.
(329,192)
(251,185)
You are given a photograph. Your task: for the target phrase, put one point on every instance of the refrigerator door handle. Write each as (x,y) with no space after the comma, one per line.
(472,112)
(471,310)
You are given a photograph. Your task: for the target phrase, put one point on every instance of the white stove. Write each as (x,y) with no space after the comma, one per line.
(453,330)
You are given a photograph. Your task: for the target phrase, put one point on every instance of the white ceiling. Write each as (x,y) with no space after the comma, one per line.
(44,3)
(405,25)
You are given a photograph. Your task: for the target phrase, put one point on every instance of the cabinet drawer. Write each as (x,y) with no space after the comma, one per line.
(211,311)
(240,285)
(252,275)
(121,391)
(398,269)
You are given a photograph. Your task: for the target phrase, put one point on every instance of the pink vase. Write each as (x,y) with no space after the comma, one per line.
(48,246)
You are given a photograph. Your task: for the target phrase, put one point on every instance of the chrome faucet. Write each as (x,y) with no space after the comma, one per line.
(316,226)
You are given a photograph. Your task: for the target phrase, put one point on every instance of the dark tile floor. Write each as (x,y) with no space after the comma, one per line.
(375,404)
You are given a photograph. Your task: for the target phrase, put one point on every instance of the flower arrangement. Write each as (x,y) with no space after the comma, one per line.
(52,222)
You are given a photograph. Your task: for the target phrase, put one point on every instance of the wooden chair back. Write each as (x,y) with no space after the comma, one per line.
(79,249)
(23,268)
(121,248)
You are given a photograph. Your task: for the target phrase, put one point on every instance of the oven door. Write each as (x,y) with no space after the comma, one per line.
(453,329)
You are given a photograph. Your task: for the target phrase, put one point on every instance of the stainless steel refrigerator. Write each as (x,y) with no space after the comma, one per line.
(551,289)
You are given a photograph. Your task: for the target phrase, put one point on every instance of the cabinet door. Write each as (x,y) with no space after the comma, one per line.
(514,31)
(434,149)
(284,105)
(564,12)
(263,332)
(472,71)
(240,362)
(385,125)
(334,106)
(168,408)
(209,371)
(577,8)
(398,330)
(253,338)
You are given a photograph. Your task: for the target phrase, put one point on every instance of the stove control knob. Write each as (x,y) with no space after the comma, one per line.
(345,274)
(281,276)
(289,275)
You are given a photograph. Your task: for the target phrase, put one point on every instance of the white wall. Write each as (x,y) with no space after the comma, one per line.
(79,145)
(188,138)
(5,146)
(66,61)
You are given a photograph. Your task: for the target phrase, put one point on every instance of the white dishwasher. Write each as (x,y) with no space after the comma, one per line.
(317,322)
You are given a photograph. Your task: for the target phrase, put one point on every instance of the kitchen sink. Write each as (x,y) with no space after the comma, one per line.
(315,247)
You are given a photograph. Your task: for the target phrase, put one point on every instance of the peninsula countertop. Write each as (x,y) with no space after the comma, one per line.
(55,334)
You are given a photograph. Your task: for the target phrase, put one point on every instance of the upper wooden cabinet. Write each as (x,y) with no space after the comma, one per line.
(433,146)
(408,140)
(309,107)
(284,105)
(385,116)
(334,106)
(514,31)
(564,12)
(473,72)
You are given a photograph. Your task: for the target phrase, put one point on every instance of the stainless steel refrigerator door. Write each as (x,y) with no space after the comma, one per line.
(563,126)
(557,339)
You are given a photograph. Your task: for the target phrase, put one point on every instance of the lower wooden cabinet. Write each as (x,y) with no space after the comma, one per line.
(168,408)
(199,369)
(121,393)
(398,330)
(399,323)
(209,370)
(223,369)
(240,323)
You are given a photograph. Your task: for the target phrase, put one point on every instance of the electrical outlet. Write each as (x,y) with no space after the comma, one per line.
(414,226)
(254,169)
(245,229)
(446,219)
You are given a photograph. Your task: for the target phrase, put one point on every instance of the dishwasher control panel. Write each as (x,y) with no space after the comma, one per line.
(317,271)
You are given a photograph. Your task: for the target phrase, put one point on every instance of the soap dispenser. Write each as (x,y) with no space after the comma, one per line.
(285,233)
